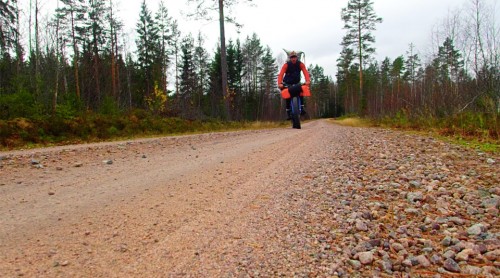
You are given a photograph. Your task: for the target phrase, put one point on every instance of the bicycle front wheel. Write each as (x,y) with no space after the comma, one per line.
(295,103)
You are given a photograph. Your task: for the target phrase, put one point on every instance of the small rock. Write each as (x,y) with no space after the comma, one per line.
(51,193)
(407,263)
(423,261)
(451,265)
(365,257)
(446,241)
(449,254)
(471,270)
(397,247)
(412,211)
(476,229)
(59,168)
(123,248)
(65,263)
(35,162)
(386,266)
(415,184)
(436,226)
(375,242)
(109,161)
(144,156)
(78,165)
(457,220)
(490,161)
(493,255)
(361,226)
(355,264)
(464,255)
(491,203)
(414,196)
(472,210)
(435,259)
(392,167)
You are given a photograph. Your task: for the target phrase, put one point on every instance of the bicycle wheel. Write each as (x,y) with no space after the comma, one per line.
(295,103)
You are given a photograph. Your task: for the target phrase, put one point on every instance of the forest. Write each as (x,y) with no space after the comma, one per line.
(76,75)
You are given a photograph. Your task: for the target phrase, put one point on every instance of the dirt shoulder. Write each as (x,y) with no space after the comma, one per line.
(322,201)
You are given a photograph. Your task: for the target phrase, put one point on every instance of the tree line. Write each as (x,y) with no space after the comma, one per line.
(460,75)
(80,60)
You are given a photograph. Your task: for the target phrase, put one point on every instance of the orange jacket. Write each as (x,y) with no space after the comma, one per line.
(285,67)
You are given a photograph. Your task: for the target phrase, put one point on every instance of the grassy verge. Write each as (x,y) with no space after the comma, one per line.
(353,122)
(31,133)
(478,139)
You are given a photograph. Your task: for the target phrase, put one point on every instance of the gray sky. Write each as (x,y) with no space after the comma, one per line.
(312,26)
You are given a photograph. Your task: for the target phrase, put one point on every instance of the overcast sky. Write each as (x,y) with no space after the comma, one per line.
(313,26)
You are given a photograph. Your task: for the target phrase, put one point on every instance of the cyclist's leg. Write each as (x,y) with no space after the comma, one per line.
(303,110)
(288,108)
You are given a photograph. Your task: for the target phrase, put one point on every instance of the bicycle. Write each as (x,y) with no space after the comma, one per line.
(294,92)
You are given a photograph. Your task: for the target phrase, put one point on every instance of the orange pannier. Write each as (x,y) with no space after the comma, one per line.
(305,92)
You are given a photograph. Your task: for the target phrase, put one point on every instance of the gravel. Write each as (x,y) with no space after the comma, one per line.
(351,202)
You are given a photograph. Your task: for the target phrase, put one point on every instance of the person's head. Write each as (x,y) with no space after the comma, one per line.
(293,56)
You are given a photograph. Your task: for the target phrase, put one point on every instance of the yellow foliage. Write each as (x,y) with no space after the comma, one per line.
(157,101)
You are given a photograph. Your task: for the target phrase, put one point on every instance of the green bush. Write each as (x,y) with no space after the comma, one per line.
(19,105)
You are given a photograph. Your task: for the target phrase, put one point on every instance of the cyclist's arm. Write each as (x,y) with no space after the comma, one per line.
(282,73)
(306,73)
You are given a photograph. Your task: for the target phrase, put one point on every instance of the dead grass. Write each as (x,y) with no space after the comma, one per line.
(352,122)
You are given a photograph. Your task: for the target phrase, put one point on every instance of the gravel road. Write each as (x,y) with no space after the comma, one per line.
(323,201)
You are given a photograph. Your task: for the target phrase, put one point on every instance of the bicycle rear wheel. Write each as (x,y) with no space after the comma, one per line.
(295,105)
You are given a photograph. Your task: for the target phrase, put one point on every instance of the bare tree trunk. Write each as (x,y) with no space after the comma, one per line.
(75,57)
(117,68)
(113,67)
(96,69)
(360,49)
(223,58)
(37,49)
(58,55)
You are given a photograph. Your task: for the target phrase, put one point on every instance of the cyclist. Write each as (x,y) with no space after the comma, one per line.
(290,75)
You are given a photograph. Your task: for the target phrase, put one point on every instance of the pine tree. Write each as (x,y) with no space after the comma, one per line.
(220,6)
(71,16)
(346,79)
(8,28)
(234,73)
(188,75)
(146,46)
(412,64)
(359,21)
(164,27)
(115,26)
(98,38)
(268,81)
(8,40)
(175,45)
(201,68)
(385,85)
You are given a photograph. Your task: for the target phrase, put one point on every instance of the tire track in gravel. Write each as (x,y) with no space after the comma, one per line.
(100,218)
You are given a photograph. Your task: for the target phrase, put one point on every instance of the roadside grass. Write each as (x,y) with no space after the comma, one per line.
(352,122)
(478,140)
(22,133)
